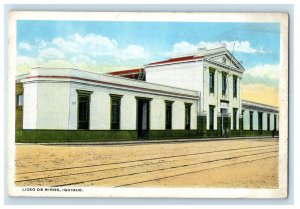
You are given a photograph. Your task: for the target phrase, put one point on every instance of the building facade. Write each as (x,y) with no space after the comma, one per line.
(216,75)
(184,97)
(74,105)
(259,119)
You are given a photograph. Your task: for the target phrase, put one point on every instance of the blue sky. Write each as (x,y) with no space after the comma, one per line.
(111,46)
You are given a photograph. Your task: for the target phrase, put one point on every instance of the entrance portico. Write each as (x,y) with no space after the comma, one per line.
(224,126)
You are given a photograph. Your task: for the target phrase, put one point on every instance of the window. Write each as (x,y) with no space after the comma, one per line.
(115,111)
(268,122)
(19,100)
(251,120)
(187,116)
(211,117)
(224,83)
(234,118)
(169,114)
(234,86)
(211,81)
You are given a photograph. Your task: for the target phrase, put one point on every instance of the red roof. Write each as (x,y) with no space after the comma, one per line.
(177,59)
(133,72)
(127,72)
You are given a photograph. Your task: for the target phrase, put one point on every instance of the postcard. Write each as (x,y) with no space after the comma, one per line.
(137,104)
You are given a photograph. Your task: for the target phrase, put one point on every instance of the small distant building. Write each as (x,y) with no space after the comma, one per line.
(192,96)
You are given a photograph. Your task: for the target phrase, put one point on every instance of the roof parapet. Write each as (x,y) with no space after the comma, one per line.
(259,106)
(68,74)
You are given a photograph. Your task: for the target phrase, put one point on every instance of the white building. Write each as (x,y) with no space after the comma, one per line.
(215,74)
(259,117)
(191,96)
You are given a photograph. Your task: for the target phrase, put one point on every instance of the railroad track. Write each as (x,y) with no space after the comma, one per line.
(148,169)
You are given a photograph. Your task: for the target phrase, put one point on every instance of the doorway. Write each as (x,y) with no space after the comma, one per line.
(224,121)
(260,122)
(83,111)
(143,107)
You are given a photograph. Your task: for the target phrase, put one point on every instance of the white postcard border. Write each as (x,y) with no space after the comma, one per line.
(281,18)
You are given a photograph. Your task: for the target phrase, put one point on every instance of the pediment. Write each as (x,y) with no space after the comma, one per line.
(224,59)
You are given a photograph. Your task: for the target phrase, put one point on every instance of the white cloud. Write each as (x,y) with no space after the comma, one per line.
(90,45)
(65,45)
(99,45)
(25,46)
(25,63)
(50,53)
(264,71)
(42,44)
(184,47)
(93,46)
(243,46)
(133,52)
(25,60)
(239,46)
(82,58)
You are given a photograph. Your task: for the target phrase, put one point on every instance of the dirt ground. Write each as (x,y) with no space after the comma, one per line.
(227,163)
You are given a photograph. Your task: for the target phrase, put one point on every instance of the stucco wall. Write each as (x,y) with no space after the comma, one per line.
(255,120)
(183,75)
(265,121)
(128,112)
(52,105)
(30,106)
(187,75)
(194,116)
(271,121)
(157,114)
(19,109)
(246,120)
(178,119)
